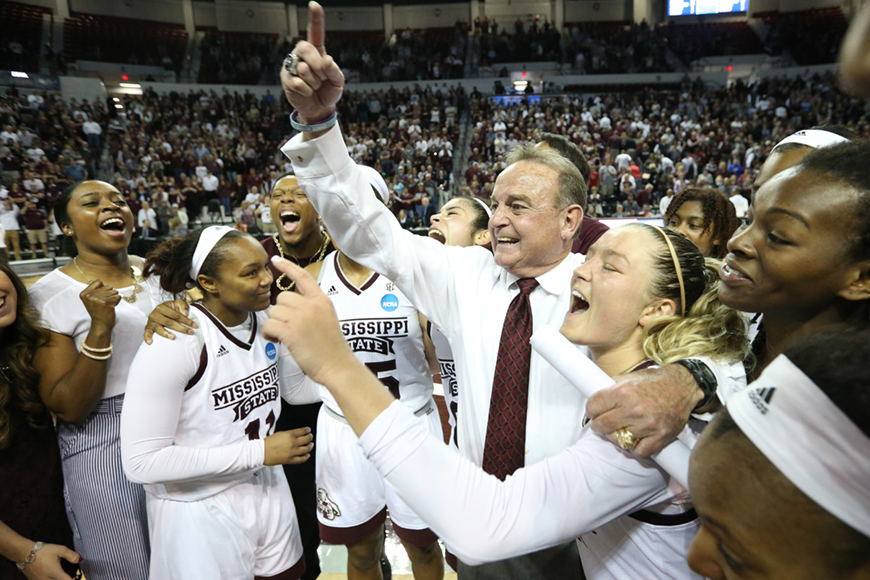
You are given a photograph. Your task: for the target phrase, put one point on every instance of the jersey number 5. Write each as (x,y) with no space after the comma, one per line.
(386,366)
(253,428)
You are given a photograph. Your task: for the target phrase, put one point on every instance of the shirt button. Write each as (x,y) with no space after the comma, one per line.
(527,450)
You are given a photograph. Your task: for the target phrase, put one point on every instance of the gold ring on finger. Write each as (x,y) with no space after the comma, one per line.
(626,439)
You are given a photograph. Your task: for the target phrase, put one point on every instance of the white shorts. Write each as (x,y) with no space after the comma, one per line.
(246,532)
(352,499)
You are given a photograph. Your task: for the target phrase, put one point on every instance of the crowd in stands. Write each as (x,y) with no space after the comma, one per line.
(647,146)
(45,144)
(181,158)
(407,55)
(200,156)
(409,136)
(810,36)
(241,58)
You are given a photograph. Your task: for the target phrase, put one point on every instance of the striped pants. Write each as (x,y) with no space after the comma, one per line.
(106,511)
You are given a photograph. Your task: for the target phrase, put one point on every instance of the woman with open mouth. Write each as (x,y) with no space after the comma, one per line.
(97,303)
(644,297)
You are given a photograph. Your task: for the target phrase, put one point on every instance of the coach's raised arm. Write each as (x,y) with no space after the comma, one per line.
(537,206)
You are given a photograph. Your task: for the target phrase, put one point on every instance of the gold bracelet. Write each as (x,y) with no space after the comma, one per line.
(96,357)
(96,350)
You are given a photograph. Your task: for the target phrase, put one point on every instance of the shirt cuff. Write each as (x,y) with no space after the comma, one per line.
(317,157)
(730,378)
(392,437)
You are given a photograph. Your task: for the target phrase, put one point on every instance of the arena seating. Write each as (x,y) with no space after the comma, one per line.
(20,35)
(809,36)
(124,40)
(693,41)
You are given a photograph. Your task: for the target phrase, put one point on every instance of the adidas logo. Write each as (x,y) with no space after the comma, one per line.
(222,351)
(762,398)
(332,291)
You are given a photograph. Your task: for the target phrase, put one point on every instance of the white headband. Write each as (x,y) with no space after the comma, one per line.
(486,208)
(809,439)
(207,240)
(815,138)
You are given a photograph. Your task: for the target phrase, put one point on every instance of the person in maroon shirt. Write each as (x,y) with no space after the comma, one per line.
(253,179)
(34,221)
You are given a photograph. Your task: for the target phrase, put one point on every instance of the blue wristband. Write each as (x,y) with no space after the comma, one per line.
(317,127)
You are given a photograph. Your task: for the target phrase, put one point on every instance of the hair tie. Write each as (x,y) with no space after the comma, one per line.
(209,237)
(486,208)
(677,267)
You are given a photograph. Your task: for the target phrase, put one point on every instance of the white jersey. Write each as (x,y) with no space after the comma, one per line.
(382,328)
(198,407)
(444,354)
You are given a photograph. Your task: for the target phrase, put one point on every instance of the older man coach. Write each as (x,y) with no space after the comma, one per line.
(515,409)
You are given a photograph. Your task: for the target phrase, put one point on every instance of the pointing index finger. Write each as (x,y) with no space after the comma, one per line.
(316,27)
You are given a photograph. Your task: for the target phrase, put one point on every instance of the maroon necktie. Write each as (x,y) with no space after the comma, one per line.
(504,449)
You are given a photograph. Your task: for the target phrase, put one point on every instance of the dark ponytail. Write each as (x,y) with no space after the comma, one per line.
(171,260)
(61,216)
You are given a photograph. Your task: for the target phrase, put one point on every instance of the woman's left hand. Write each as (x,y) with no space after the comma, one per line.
(47,566)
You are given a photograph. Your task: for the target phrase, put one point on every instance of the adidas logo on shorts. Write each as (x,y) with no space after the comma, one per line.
(332,291)
(222,351)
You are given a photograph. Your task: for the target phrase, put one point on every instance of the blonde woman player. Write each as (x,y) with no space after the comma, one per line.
(198,426)
(643,297)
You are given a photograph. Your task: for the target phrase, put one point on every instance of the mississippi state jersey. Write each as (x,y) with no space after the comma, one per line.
(444,354)
(383,330)
(234,395)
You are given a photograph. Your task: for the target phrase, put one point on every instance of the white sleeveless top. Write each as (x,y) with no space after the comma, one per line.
(383,330)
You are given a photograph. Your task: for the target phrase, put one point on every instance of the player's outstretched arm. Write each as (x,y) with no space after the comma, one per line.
(306,323)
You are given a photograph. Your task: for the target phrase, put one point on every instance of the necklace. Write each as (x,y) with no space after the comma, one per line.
(633,367)
(318,256)
(137,281)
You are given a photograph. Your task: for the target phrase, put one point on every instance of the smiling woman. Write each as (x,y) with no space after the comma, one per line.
(803,261)
(95,309)
(198,424)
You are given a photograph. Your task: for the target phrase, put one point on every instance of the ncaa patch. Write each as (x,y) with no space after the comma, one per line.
(271,351)
(389,302)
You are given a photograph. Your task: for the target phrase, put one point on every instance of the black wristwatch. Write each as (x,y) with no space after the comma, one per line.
(704,377)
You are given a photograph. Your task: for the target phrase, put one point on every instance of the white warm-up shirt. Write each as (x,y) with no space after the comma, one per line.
(56,297)
(462,291)
(574,494)
(198,408)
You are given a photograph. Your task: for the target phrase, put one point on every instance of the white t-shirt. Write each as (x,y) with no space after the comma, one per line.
(9,218)
(56,298)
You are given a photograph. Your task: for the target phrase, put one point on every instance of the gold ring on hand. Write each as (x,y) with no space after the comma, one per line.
(626,439)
